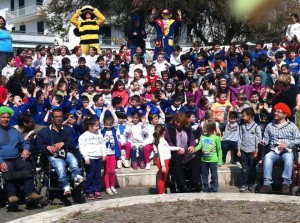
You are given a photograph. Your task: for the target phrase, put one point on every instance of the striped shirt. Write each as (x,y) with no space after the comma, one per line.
(288,133)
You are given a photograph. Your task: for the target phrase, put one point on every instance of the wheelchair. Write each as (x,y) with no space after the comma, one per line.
(47,180)
(171,185)
(277,171)
(17,176)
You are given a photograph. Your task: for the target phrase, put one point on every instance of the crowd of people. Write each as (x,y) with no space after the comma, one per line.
(121,110)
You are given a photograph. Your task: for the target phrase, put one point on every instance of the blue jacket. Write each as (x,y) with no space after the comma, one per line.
(294,65)
(10,139)
(20,110)
(29,72)
(79,72)
(117,148)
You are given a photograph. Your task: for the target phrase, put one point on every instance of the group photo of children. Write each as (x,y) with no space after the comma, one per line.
(181,110)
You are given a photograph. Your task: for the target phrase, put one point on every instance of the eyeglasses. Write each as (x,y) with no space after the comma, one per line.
(278,112)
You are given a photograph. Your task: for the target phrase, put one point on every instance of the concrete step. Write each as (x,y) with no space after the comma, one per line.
(228,175)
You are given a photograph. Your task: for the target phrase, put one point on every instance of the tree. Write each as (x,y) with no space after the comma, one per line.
(211,21)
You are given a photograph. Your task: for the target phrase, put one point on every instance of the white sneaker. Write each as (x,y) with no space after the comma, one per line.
(67,191)
(114,190)
(79,180)
(147,166)
(126,163)
(119,164)
(109,192)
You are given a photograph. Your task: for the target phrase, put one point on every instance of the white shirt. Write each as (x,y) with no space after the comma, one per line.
(293,29)
(90,60)
(164,150)
(8,71)
(159,67)
(92,146)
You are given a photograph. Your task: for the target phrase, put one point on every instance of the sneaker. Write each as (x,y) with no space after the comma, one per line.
(266,189)
(285,189)
(114,190)
(119,164)
(237,163)
(13,199)
(147,166)
(135,165)
(126,163)
(67,191)
(79,180)
(142,165)
(90,197)
(98,195)
(243,188)
(109,192)
(33,197)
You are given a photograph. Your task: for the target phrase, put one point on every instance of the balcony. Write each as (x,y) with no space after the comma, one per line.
(24,14)
(31,39)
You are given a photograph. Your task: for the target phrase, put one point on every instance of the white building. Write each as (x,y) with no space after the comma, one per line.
(25,22)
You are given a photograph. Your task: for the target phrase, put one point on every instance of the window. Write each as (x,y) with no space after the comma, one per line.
(21,3)
(23,28)
(39,2)
(40,27)
(12,5)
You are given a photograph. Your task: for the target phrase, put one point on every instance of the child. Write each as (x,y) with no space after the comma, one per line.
(10,68)
(139,77)
(151,78)
(231,137)
(108,125)
(123,76)
(195,125)
(250,136)
(241,103)
(28,69)
(81,70)
(209,116)
(91,57)
(148,92)
(122,142)
(220,108)
(133,131)
(222,87)
(258,86)
(98,104)
(137,64)
(92,148)
(89,92)
(176,105)
(160,64)
(135,89)
(169,89)
(120,91)
(164,154)
(210,147)
(151,121)
(208,91)
(237,88)
(135,102)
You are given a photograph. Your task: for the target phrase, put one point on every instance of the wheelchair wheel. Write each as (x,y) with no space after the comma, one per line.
(255,188)
(46,196)
(78,195)
(296,191)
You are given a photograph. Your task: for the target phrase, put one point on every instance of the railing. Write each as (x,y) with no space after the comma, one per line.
(24,11)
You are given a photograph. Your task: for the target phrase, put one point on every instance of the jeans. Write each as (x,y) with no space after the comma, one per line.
(229,145)
(248,168)
(93,174)
(133,153)
(27,184)
(60,168)
(213,168)
(270,158)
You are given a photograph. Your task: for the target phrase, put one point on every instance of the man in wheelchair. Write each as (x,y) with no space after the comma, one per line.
(57,140)
(17,169)
(281,135)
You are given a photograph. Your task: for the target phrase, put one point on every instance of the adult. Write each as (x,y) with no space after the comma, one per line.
(179,133)
(165,29)
(124,54)
(137,34)
(293,29)
(58,141)
(17,82)
(288,93)
(6,49)
(39,59)
(281,135)
(88,28)
(11,161)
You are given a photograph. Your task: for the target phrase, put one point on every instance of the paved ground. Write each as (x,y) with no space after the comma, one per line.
(123,192)
(196,211)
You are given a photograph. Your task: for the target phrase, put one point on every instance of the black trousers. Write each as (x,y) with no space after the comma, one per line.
(27,183)
(194,169)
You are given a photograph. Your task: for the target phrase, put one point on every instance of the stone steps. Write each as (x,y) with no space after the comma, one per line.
(127,177)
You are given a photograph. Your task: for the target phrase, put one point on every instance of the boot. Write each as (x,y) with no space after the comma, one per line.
(33,197)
